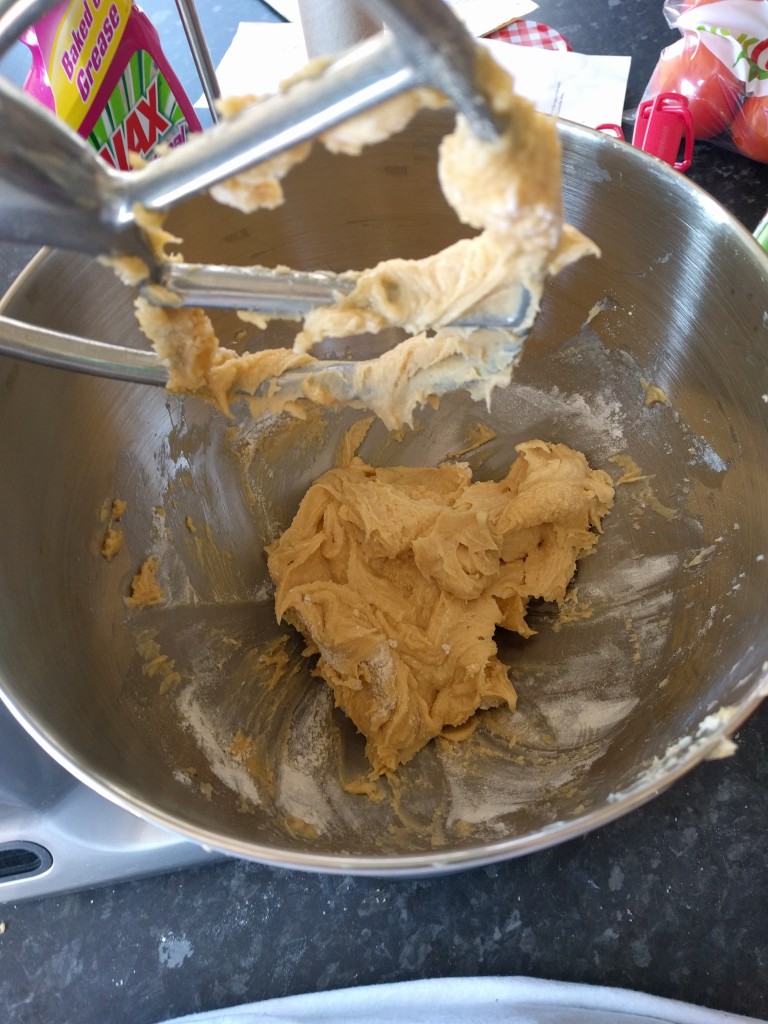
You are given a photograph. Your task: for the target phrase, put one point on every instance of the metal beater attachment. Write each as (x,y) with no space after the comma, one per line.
(57,191)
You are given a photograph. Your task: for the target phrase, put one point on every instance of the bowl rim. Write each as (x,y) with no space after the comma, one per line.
(422,864)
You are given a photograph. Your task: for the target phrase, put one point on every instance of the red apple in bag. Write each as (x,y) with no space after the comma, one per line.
(749,130)
(712,90)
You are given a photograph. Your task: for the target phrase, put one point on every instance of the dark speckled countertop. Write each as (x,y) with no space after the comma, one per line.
(670,900)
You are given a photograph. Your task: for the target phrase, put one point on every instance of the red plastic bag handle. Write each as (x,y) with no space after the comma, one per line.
(662,125)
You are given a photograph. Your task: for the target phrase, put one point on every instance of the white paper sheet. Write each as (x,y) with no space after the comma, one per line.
(262,54)
(583,88)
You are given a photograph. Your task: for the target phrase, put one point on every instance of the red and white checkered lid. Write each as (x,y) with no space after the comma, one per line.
(531,33)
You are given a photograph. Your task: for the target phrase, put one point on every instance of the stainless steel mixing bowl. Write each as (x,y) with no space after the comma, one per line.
(664,651)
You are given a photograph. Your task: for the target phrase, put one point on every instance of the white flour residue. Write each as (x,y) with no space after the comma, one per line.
(579,699)
(245,443)
(209,651)
(172,575)
(264,592)
(703,453)
(309,746)
(649,634)
(712,615)
(602,416)
(579,719)
(300,795)
(633,581)
(597,423)
(487,798)
(213,745)
(306,760)
(640,593)
(600,669)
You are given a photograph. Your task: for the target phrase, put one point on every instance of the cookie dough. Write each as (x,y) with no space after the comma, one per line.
(145,588)
(112,541)
(398,578)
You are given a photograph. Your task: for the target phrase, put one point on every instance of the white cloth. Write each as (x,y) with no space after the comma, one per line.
(470,1001)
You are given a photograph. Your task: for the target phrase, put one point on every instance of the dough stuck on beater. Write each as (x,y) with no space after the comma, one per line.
(508,189)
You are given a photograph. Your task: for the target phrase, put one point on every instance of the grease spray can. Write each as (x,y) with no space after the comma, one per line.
(99,65)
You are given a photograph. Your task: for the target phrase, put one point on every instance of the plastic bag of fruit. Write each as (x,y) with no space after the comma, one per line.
(720,64)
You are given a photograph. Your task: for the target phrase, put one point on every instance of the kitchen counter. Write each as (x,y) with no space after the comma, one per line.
(671,899)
